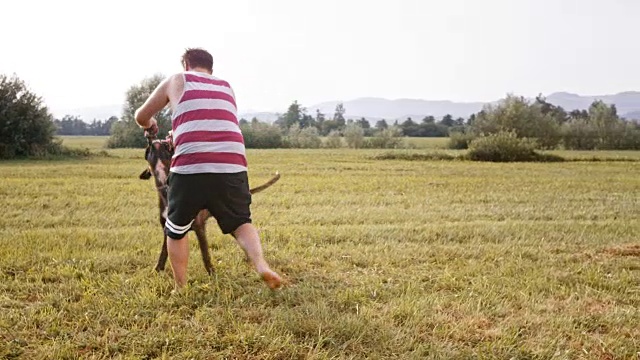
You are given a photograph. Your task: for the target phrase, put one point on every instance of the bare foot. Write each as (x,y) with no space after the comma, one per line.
(272,279)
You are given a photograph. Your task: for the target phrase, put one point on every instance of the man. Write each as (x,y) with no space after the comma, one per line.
(209,167)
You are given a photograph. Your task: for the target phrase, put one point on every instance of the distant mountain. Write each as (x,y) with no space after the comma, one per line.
(400,109)
(627,103)
(634,115)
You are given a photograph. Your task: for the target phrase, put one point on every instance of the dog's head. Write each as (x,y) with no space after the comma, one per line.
(158,155)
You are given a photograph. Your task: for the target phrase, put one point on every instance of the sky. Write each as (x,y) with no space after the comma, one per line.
(88,53)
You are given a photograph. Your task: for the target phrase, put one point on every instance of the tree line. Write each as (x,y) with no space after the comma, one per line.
(73,125)
(547,125)
(297,115)
(551,127)
(27,127)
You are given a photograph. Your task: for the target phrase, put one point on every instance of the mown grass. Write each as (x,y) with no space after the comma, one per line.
(385,259)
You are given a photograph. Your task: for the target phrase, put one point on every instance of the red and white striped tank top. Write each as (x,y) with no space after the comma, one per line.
(206,134)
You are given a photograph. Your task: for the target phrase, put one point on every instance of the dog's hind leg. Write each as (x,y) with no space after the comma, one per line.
(200,228)
(204,249)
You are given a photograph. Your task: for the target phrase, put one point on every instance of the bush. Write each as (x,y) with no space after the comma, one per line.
(26,127)
(517,114)
(586,134)
(259,135)
(459,140)
(334,140)
(578,134)
(389,138)
(502,147)
(354,136)
(309,138)
(302,138)
(630,139)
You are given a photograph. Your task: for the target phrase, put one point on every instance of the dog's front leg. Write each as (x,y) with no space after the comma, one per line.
(162,205)
(162,260)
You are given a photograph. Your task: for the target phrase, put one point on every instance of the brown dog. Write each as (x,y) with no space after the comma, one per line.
(158,155)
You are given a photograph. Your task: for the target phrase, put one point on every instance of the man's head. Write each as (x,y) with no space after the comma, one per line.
(197,59)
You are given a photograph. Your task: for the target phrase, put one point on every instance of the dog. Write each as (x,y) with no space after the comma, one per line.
(158,155)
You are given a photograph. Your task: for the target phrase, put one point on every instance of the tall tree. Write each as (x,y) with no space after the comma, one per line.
(579,114)
(320,118)
(307,121)
(608,126)
(126,132)
(338,115)
(292,116)
(410,128)
(557,113)
(472,119)
(26,126)
(73,125)
(363,123)
(429,120)
(447,121)
(381,124)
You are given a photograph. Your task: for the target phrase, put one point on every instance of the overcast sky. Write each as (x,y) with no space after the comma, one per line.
(86,53)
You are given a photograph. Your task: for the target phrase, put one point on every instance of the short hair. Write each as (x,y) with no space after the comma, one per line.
(196,57)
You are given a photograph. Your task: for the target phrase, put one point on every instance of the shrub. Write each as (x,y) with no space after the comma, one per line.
(354,136)
(578,134)
(459,140)
(526,119)
(389,138)
(302,137)
(309,138)
(630,139)
(334,140)
(259,135)
(502,147)
(585,134)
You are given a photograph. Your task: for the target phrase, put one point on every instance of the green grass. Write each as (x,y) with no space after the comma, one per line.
(385,259)
(85,142)
(427,143)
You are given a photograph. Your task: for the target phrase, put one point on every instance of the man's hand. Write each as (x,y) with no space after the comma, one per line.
(152,130)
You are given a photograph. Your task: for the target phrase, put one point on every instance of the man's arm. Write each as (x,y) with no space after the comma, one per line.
(156,102)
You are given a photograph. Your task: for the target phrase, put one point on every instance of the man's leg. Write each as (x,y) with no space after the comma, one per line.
(184,204)
(179,257)
(247,237)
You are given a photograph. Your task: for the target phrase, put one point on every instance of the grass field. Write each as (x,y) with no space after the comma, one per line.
(385,259)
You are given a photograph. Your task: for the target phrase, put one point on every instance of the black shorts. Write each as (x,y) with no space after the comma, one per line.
(226,196)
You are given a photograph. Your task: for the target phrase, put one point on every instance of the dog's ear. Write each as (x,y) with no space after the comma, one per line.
(145,175)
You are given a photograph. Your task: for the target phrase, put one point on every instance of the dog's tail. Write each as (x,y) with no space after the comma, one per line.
(273,180)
